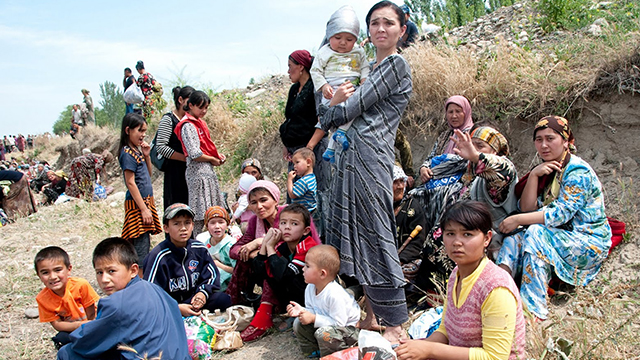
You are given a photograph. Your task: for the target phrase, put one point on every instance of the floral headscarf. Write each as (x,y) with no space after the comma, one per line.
(494,138)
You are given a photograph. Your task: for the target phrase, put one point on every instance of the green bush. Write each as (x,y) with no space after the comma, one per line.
(565,14)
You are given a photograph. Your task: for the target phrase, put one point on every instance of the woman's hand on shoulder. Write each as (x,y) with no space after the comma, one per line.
(425,174)
(344,91)
(546,168)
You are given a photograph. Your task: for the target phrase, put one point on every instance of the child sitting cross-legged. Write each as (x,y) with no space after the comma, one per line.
(327,322)
(280,262)
(135,313)
(66,302)
(183,267)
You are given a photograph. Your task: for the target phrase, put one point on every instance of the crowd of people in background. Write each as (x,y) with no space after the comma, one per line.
(354,209)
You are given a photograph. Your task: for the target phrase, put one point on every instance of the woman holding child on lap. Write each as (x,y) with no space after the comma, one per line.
(361,222)
(563,206)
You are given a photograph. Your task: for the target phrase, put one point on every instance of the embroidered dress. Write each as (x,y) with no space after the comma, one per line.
(361,223)
(83,174)
(573,241)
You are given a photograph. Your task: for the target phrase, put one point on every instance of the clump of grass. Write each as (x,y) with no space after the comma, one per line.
(509,82)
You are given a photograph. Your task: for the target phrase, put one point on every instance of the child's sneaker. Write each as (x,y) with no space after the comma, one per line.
(329,155)
(340,136)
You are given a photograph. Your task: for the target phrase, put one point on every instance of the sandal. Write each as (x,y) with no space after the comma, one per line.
(252,333)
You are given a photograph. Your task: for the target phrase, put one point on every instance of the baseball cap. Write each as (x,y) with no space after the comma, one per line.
(174,209)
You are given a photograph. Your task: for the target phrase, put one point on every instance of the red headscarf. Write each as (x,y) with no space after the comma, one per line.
(302,57)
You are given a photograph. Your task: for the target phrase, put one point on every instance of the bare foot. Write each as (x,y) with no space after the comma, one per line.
(394,333)
(370,323)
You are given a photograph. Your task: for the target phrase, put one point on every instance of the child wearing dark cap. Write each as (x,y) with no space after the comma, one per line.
(183,267)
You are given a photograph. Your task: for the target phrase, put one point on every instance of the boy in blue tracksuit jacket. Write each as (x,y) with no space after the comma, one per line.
(183,267)
(135,313)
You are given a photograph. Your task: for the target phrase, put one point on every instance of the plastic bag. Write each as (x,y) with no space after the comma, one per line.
(346,354)
(237,318)
(228,340)
(372,346)
(201,337)
(426,324)
(99,192)
(133,94)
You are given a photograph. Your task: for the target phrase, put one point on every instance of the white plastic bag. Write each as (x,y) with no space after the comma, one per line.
(426,324)
(133,94)
(373,346)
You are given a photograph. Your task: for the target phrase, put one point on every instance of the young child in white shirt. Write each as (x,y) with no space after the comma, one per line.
(327,322)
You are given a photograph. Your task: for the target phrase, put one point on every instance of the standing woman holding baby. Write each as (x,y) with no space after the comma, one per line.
(361,222)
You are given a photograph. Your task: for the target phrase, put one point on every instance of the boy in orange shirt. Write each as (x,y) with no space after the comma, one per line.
(65,302)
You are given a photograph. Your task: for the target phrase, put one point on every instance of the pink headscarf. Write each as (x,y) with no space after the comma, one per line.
(468,122)
(275,193)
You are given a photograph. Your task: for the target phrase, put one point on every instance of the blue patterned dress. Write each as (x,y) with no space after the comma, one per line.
(573,241)
(361,222)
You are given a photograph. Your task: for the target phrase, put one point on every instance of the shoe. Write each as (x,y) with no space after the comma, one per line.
(252,333)
(314,355)
(340,136)
(329,155)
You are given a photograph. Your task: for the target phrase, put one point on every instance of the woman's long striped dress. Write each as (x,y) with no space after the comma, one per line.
(361,222)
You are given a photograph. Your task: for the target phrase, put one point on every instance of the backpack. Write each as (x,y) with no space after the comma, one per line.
(156,159)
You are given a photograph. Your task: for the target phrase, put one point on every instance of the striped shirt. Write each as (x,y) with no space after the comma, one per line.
(305,190)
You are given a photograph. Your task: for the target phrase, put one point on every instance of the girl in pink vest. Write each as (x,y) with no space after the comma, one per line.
(483,313)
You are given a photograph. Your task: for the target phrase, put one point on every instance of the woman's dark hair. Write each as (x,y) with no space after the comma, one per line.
(181,92)
(384,4)
(127,69)
(300,210)
(116,249)
(139,65)
(131,121)
(198,99)
(472,215)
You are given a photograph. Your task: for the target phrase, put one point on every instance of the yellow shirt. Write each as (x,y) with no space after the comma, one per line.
(498,318)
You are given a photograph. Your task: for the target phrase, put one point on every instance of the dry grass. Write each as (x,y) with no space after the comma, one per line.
(508,82)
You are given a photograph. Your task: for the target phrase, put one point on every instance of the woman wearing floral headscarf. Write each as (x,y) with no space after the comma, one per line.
(568,233)
(491,177)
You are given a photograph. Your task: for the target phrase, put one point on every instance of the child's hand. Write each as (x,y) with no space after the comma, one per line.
(187,310)
(306,317)
(273,236)
(222,159)
(294,309)
(146,149)
(292,175)
(147,218)
(327,91)
(198,301)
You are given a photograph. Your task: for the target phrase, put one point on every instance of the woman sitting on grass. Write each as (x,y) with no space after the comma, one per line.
(563,206)
(483,312)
